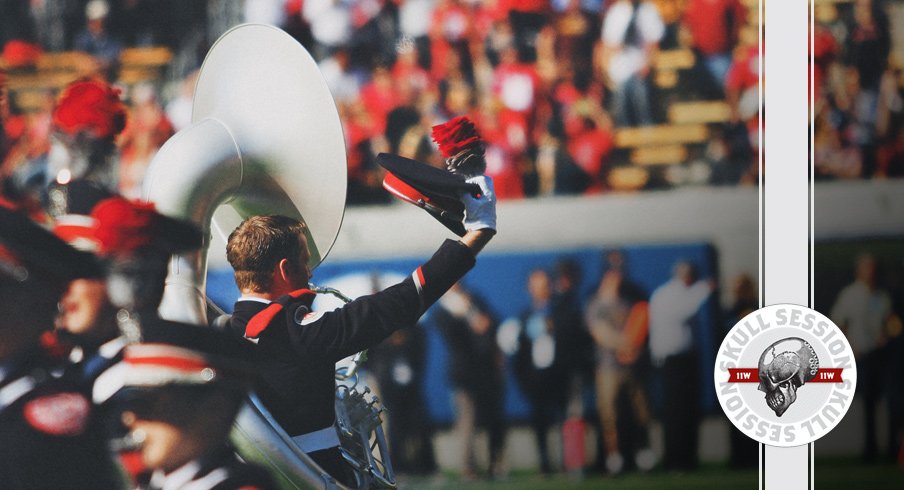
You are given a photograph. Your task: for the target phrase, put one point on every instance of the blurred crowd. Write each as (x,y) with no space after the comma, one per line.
(550,84)
(859,111)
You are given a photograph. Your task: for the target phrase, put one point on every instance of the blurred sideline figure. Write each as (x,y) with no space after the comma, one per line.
(746,300)
(539,362)
(617,319)
(475,372)
(398,365)
(672,309)
(862,310)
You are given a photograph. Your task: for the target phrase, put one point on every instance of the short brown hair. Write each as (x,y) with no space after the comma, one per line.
(258,244)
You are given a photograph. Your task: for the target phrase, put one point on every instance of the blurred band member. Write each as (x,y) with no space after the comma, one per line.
(45,422)
(178,393)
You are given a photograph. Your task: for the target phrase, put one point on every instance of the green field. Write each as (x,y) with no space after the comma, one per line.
(830,475)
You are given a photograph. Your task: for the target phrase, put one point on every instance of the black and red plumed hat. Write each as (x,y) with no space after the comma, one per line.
(29,252)
(435,190)
(176,354)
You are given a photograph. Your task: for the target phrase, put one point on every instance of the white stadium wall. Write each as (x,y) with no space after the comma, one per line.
(725,217)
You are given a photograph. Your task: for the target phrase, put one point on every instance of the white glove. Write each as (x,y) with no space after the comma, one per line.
(480,213)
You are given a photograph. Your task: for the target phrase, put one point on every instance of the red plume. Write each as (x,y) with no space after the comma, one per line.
(91,106)
(19,53)
(456,136)
(124,226)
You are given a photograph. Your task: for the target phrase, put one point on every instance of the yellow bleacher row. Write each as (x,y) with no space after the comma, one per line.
(53,71)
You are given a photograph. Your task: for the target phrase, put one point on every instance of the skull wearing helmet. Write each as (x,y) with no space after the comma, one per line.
(784,367)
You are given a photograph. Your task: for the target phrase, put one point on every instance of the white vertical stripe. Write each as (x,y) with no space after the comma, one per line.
(785,187)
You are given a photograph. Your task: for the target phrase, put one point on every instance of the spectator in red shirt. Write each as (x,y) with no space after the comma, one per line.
(503,164)
(379,97)
(590,148)
(742,82)
(409,78)
(742,91)
(450,30)
(713,26)
(517,85)
(824,50)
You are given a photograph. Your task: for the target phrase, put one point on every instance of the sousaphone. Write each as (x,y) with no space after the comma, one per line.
(265,139)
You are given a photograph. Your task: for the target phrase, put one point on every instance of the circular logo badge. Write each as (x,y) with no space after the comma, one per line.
(785,375)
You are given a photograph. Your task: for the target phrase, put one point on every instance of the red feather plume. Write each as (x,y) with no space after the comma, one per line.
(123,226)
(456,136)
(91,106)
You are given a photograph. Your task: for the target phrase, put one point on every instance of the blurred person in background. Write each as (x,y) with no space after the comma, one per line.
(147,130)
(617,319)
(178,108)
(475,372)
(409,77)
(568,315)
(379,97)
(591,145)
(673,307)
(575,33)
(518,87)
(745,300)
(742,84)
(539,361)
(862,310)
(95,39)
(29,140)
(451,29)
(557,172)
(337,71)
(632,30)
(330,23)
(398,365)
(414,26)
(528,18)
(870,43)
(713,27)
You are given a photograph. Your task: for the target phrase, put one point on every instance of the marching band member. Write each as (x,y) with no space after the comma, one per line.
(178,392)
(128,236)
(46,422)
(297,348)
